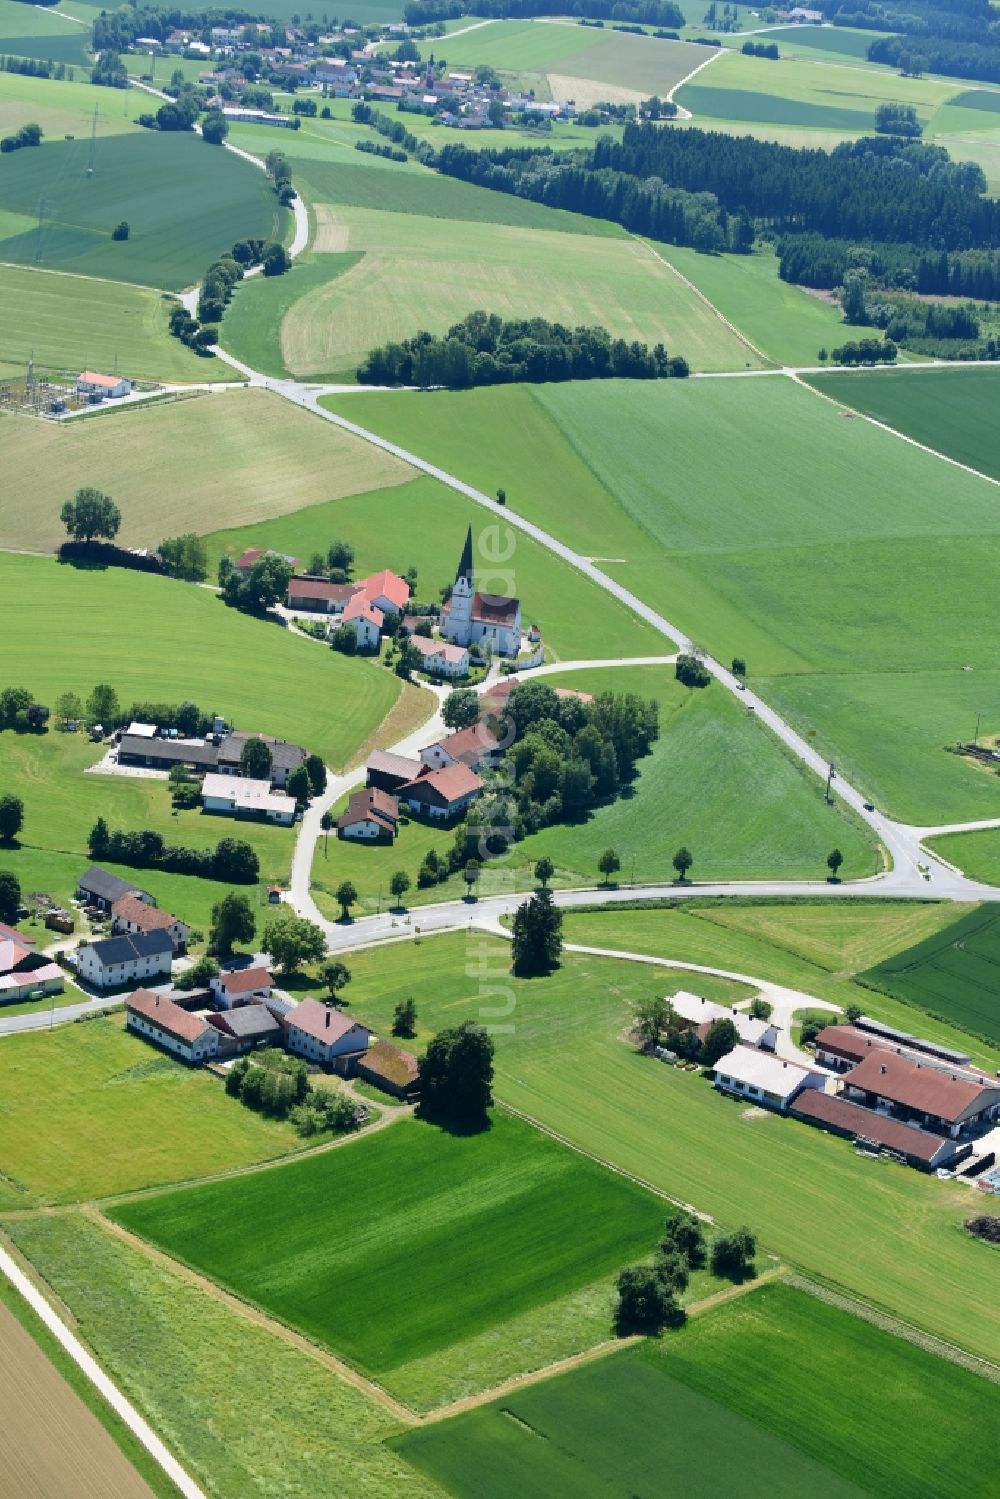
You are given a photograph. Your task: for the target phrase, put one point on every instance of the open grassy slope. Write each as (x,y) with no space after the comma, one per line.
(977,853)
(251,329)
(62,106)
(70,324)
(952,974)
(189,465)
(34,31)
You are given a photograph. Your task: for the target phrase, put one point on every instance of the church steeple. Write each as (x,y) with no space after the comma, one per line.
(465,566)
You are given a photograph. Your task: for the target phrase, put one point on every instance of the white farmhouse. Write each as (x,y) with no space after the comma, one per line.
(764,1079)
(159,1020)
(240,796)
(324,1035)
(126,959)
(701,1012)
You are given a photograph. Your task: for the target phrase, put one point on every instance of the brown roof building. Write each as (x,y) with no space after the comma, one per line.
(389,1068)
(442,793)
(130,914)
(159,1020)
(919,1147)
(323,1034)
(925,1092)
(474,746)
(371,814)
(389,771)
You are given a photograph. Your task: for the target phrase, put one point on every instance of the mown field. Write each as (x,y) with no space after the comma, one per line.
(425,273)
(33,31)
(63,107)
(811,1199)
(747,811)
(829,589)
(123,1116)
(69,324)
(491,1224)
(257,457)
(308,1431)
(951,411)
(185,203)
(251,329)
(954,974)
(181,642)
(422,524)
(977,853)
(673,1413)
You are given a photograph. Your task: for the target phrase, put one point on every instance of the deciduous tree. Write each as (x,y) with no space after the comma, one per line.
(11,817)
(91,514)
(256,760)
(10,895)
(456,1074)
(346,896)
(232,921)
(292,940)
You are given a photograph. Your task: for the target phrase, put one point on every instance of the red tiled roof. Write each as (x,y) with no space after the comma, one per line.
(386,585)
(452,783)
(11,953)
(245,980)
(147,918)
(391,1062)
(165,1014)
(374,804)
(11,934)
(89,377)
(470,745)
(494,609)
(322,1022)
(916,1085)
(254,554)
(442,648)
(362,608)
(847,1041)
(838,1113)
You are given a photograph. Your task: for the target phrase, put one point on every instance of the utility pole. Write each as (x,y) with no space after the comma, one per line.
(93,143)
(829,781)
(978,717)
(41,225)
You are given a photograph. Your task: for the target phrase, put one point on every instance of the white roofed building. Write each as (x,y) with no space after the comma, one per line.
(705,1012)
(240,796)
(762,1078)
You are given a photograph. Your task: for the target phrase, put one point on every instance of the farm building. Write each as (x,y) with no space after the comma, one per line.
(285,756)
(762,1078)
(242,986)
(474,746)
(482,619)
(371,816)
(441,658)
(98,887)
(245,562)
(388,771)
(319,596)
(90,383)
(325,1035)
(926,1093)
(703,1013)
(389,1068)
(246,1028)
(156,753)
(240,796)
(130,914)
(918,1147)
(386,590)
(444,793)
(367,620)
(24,973)
(159,1020)
(124,960)
(841,1047)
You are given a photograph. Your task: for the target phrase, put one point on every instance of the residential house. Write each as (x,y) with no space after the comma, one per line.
(703,1013)
(241,796)
(387,591)
(98,887)
(25,973)
(159,1020)
(318,596)
(441,658)
(388,771)
(477,745)
(246,1028)
(442,794)
(260,117)
(367,620)
(241,986)
(918,1147)
(285,757)
(764,1079)
(130,914)
(324,1035)
(481,619)
(90,383)
(244,563)
(924,1092)
(390,1068)
(371,816)
(115,961)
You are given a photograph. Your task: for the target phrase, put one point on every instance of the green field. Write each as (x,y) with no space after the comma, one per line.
(185,202)
(489,1225)
(33,31)
(951,411)
(747,812)
(422,524)
(69,324)
(119,1115)
(243,1410)
(834,41)
(257,457)
(561,1058)
(954,974)
(63,107)
(769,1376)
(426,273)
(251,329)
(182,642)
(977,853)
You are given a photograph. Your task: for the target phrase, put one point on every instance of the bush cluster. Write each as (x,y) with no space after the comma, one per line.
(232,859)
(278,1085)
(19,710)
(28,135)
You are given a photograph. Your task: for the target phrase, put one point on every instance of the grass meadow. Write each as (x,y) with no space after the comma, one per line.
(176,192)
(123,1116)
(309,1432)
(251,329)
(809,1197)
(670,1414)
(63,107)
(490,1225)
(977,853)
(226,459)
(952,974)
(32,31)
(951,411)
(69,324)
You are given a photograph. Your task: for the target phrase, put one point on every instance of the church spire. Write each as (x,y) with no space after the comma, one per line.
(465,566)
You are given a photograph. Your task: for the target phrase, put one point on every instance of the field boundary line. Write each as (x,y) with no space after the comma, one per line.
(928,1341)
(89,1366)
(775,368)
(250,1312)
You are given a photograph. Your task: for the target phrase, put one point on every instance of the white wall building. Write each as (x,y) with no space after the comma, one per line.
(483,619)
(239,796)
(699,1011)
(126,959)
(764,1079)
(159,1020)
(322,1034)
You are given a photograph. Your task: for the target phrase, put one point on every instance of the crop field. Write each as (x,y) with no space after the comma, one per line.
(669,1415)
(949,410)
(566,1065)
(123,1116)
(493,1224)
(257,457)
(70,324)
(251,329)
(831,42)
(61,106)
(184,643)
(309,1432)
(425,273)
(954,974)
(422,524)
(32,31)
(747,812)
(174,190)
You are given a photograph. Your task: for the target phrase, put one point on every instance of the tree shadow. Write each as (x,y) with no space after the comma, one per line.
(460,1128)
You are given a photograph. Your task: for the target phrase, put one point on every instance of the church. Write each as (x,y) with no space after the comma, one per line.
(472,618)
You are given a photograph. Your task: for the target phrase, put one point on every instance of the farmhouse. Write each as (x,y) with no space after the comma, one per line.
(371,816)
(130,914)
(390,1068)
(246,1028)
(159,1020)
(703,1013)
(440,658)
(156,753)
(241,986)
(386,590)
(762,1078)
(319,596)
(371,598)
(98,887)
(442,793)
(123,960)
(482,619)
(324,1035)
(477,745)
(919,1148)
(367,620)
(92,384)
(285,757)
(925,1092)
(240,796)
(388,771)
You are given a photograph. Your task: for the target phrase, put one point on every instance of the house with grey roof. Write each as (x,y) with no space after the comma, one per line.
(99,887)
(246,1028)
(127,959)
